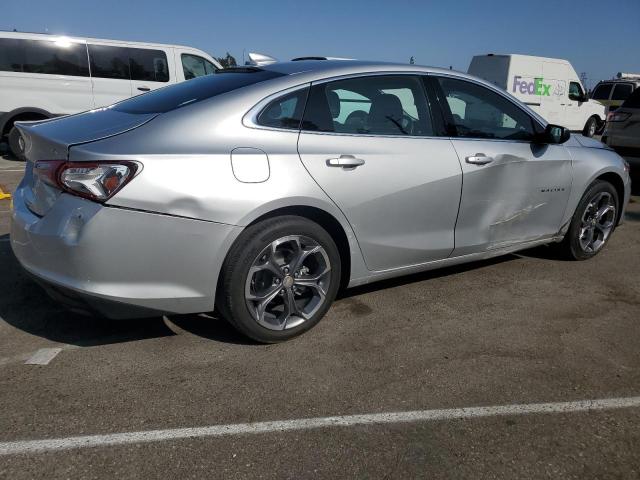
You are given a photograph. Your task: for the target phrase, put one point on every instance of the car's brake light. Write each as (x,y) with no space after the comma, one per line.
(617,116)
(96,181)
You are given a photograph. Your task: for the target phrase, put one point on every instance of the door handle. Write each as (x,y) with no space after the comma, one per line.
(479,159)
(144,89)
(345,161)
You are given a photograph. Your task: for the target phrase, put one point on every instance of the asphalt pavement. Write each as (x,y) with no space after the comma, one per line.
(515,331)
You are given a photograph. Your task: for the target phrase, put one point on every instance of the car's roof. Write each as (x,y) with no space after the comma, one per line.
(332,68)
(47,36)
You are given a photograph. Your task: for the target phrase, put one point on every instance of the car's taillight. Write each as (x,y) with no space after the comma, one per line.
(96,181)
(617,116)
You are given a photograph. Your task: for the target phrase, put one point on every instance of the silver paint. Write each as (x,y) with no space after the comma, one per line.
(413,204)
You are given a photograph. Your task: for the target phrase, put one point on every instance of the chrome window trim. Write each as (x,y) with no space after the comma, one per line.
(249,120)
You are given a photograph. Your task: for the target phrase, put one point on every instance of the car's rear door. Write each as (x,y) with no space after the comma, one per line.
(514,189)
(369,143)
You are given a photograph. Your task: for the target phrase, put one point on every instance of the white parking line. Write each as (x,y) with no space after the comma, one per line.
(43,356)
(52,444)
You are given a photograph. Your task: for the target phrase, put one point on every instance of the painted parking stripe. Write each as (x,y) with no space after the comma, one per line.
(43,356)
(54,444)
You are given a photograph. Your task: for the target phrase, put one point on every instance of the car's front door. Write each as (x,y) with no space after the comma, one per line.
(369,143)
(514,189)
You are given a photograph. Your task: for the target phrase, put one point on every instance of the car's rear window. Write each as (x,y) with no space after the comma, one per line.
(193,91)
(633,101)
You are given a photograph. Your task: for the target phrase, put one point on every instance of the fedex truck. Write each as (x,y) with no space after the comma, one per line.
(549,86)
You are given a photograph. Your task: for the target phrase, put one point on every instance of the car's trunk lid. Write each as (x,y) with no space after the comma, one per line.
(51,140)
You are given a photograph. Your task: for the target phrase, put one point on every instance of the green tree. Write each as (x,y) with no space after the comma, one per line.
(228,61)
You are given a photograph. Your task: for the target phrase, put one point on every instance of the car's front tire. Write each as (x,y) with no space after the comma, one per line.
(279,278)
(593,221)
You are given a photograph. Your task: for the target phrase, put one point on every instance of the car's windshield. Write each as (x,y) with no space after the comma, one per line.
(192,91)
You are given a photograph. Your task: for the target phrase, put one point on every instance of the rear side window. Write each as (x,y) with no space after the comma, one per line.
(622,91)
(148,65)
(187,93)
(602,92)
(109,62)
(194,66)
(284,112)
(477,112)
(371,105)
(634,100)
(44,56)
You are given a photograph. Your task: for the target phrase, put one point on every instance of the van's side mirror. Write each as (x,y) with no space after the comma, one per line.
(555,134)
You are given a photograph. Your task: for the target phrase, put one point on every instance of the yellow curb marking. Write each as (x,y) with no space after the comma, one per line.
(4,195)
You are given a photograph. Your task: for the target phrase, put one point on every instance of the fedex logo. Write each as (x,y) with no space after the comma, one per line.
(535,87)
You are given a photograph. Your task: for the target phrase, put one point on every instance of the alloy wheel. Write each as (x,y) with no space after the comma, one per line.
(597,222)
(287,282)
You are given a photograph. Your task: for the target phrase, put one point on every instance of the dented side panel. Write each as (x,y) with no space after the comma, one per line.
(520,196)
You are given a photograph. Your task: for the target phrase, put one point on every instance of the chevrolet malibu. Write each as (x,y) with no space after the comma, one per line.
(260,191)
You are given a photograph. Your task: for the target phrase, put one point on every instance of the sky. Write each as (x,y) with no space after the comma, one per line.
(599,38)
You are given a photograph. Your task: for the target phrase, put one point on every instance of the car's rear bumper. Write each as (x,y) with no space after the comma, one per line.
(120,262)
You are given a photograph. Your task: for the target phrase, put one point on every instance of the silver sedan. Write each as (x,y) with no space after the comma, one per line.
(260,191)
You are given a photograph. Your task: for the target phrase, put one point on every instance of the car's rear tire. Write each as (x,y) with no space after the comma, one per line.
(593,222)
(279,278)
(591,127)
(16,143)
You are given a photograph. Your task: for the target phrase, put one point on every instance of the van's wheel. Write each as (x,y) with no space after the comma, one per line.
(591,127)
(593,222)
(16,144)
(279,278)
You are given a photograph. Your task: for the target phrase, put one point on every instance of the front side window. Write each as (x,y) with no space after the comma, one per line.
(372,105)
(284,112)
(194,66)
(148,65)
(44,56)
(575,91)
(602,92)
(478,112)
(622,91)
(109,62)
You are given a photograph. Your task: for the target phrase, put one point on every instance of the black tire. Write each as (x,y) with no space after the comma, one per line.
(571,246)
(16,144)
(230,298)
(591,127)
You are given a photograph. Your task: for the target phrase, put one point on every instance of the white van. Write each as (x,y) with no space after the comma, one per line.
(549,86)
(42,76)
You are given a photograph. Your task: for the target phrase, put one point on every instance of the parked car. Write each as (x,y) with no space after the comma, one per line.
(611,93)
(623,129)
(550,86)
(259,191)
(43,76)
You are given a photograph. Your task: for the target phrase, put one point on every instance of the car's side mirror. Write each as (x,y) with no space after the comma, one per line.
(555,134)
(582,97)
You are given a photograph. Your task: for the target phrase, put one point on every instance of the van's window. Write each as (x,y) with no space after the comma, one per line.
(44,56)
(602,92)
(194,66)
(284,112)
(575,90)
(634,100)
(109,62)
(148,65)
(188,93)
(622,91)
(373,105)
(480,113)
